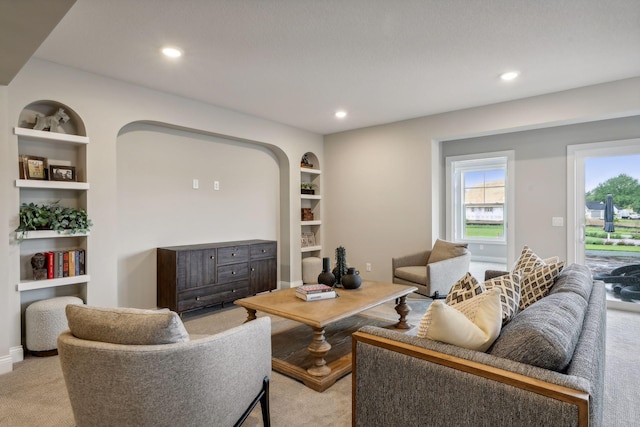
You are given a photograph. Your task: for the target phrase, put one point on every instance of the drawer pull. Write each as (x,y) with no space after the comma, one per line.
(212,257)
(197,298)
(264,250)
(253,269)
(233,272)
(233,254)
(233,290)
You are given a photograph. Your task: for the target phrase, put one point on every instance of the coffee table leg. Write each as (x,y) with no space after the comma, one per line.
(318,349)
(403,309)
(251,315)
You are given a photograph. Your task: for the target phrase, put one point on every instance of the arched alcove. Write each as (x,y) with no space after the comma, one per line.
(44,108)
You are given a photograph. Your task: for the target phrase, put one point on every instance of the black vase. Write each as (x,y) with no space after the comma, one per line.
(326,277)
(352,279)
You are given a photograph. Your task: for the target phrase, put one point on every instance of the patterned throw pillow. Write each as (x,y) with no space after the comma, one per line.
(509,285)
(473,324)
(538,282)
(527,262)
(464,289)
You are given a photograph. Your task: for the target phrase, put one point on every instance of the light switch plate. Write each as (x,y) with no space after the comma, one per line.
(557,221)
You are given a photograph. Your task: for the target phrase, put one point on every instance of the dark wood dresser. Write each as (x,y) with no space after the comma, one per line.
(197,276)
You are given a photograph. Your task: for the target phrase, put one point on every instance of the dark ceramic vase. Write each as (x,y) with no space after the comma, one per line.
(352,279)
(326,277)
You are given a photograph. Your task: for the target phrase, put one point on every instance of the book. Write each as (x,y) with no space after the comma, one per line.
(59,268)
(313,289)
(48,256)
(317,296)
(77,255)
(81,262)
(72,263)
(65,264)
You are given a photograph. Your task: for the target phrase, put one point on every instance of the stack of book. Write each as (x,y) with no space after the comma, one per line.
(315,292)
(65,263)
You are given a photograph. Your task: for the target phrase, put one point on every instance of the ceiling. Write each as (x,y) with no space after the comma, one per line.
(298,61)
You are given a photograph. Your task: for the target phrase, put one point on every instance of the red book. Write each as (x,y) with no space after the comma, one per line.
(65,264)
(48,256)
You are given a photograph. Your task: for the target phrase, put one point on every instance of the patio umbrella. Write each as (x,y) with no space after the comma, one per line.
(608,216)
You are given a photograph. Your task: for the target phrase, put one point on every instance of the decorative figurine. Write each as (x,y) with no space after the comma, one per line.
(51,123)
(39,270)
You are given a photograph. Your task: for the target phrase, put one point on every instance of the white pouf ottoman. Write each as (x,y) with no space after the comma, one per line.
(44,321)
(311,268)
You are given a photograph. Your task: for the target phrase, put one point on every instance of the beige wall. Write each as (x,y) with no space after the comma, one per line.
(107,106)
(157,205)
(383,184)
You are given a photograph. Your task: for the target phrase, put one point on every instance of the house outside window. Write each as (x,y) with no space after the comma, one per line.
(478,196)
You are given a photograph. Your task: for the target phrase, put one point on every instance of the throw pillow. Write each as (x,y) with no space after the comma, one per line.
(465,288)
(527,261)
(538,283)
(444,250)
(473,324)
(130,326)
(509,285)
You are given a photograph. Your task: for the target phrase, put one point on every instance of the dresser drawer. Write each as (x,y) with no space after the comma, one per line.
(233,272)
(264,250)
(210,295)
(233,254)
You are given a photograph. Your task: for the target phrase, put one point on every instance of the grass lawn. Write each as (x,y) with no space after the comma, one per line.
(484,230)
(612,248)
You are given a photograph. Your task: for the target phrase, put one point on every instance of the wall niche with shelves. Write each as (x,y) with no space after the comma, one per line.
(310,204)
(52,168)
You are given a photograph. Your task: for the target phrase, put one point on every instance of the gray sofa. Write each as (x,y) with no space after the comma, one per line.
(546,368)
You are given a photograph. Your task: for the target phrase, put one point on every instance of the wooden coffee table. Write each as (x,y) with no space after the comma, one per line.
(319,314)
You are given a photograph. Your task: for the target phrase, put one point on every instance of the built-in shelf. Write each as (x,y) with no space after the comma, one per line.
(310,196)
(46,234)
(30,285)
(314,222)
(311,248)
(51,185)
(310,170)
(50,136)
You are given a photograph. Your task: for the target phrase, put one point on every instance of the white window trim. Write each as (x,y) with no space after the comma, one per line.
(509,206)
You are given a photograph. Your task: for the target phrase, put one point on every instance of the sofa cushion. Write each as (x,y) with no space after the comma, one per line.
(537,283)
(509,284)
(473,324)
(575,278)
(545,334)
(129,326)
(415,274)
(444,250)
(465,288)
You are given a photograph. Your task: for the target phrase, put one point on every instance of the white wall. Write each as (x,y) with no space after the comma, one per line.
(383,183)
(106,106)
(157,205)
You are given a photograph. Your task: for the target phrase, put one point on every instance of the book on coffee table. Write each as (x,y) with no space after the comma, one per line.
(316,296)
(313,289)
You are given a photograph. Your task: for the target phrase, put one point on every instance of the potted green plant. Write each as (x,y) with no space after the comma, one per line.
(307,188)
(52,216)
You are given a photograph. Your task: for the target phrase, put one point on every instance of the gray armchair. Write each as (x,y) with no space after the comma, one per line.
(215,380)
(433,271)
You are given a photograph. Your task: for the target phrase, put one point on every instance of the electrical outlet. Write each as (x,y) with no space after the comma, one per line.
(216,185)
(196,184)
(368,266)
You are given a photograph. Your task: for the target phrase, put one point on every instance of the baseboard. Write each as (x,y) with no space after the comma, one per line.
(6,364)
(491,259)
(17,354)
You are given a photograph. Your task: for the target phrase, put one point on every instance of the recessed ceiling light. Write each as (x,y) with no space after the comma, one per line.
(341,114)
(509,75)
(172,52)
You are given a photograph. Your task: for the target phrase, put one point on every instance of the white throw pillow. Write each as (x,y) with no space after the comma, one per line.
(473,324)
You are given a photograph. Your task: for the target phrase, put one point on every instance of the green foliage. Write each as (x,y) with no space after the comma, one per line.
(52,216)
(484,230)
(307,186)
(625,191)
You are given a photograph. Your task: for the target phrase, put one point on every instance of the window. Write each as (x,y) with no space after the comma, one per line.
(478,194)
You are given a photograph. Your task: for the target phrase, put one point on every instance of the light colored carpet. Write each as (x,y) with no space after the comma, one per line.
(34,394)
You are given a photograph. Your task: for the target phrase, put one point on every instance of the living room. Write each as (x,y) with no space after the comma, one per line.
(382,185)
